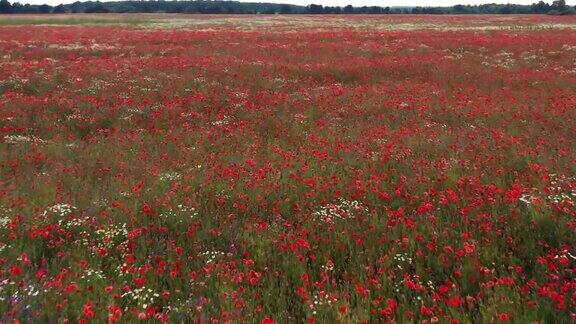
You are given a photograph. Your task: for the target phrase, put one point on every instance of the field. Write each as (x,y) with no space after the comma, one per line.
(328,169)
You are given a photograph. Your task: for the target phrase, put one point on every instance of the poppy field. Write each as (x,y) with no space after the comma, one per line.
(288,169)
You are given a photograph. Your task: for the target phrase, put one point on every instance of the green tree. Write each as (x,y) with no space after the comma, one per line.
(5,6)
(44,9)
(59,9)
(540,8)
(286,9)
(315,9)
(96,8)
(559,5)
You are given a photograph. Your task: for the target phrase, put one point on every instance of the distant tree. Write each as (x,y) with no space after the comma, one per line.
(96,8)
(59,9)
(559,5)
(286,9)
(269,11)
(17,7)
(44,9)
(458,9)
(375,10)
(76,7)
(540,8)
(210,8)
(315,9)
(5,6)
(332,10)
(505,10)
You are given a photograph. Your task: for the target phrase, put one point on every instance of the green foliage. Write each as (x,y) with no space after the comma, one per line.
(558,7)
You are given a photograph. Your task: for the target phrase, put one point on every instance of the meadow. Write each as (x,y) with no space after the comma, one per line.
(288,169)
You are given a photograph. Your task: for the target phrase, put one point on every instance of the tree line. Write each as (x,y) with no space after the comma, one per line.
(558,7)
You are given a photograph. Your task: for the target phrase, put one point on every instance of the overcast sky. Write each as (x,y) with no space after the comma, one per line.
(359,3)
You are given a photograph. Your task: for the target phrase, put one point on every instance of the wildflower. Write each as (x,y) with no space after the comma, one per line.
(15,271)
(268,320)
(88,311)
(140,281)
(362,291)
(503,317)
(254,277)
(426,311)
(454,301)
(72,287)
(147,210)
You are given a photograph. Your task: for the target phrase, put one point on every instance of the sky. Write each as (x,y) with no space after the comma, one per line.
(356,3)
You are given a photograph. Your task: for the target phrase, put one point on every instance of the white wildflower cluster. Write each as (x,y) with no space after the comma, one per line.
(169,176)
(434,124)
(343,209)
(187,115)
(180,214)
(131,112)
(567,47)
(380,141)
(143,297)
(560,190)
(374,155)
(502,60)
(112,235)
(153,85)
(68,47)
(329,266)
(31,290)
(211,256)
(27,291)
(565,253)
(16,139)
(83,239)
(179,306)
(300,118)
(279,80)
(77,116)
(14,82)
(458,53)
(5,285)
(224,121)
(528,199)
(91,275)
(415,279)
(5,219)
(61,210)
(123,271)
(190,210)
(100,202)
(402,259)
(73,223)
(322,299)
(573,70)
(102,47)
